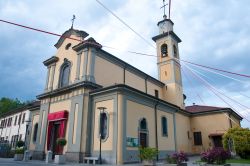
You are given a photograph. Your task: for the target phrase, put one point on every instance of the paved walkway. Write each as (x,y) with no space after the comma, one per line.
(11,162)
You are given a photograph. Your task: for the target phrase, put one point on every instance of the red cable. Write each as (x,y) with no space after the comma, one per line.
(243,75)
(39,30)
(55,34)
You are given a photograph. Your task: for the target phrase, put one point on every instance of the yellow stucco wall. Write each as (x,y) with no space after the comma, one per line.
(235,122)
(71,55)
(182,129)
(35,119)
(166,72)
(207,124)
(152,87)
(165,143)
(108,143)
(135,112)
(107,73)
(135,81)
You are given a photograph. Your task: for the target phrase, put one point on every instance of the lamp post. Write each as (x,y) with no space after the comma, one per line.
(1,127)
(101,132)
(26,133)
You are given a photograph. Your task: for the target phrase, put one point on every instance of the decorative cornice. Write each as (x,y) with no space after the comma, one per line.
(167,20)
(68,33)
(84,84)
(51,60)
(90,42)
(171,33)
(123,87)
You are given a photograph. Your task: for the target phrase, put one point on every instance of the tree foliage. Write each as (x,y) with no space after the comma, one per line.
(7,104)
(240,140)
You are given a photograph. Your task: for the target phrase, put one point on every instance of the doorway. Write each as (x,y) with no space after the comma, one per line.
(143,133)
(217,140)
(53,137)
(143,140)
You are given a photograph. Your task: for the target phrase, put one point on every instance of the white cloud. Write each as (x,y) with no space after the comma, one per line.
(213,33)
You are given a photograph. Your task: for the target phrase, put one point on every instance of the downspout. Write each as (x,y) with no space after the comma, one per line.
(124,74)
(156,129)
(146,84)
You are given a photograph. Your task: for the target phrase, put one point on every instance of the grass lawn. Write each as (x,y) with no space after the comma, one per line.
(242,161)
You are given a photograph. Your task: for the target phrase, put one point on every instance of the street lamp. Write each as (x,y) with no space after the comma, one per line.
(1,127)
(101,132)
(26,133)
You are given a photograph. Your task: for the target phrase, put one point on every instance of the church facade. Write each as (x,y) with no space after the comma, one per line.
(93,99)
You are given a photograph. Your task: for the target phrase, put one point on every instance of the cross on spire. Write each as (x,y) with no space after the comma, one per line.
(73,19)
(164,7)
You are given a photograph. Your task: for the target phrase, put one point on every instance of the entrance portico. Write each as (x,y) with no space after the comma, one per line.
(56,129)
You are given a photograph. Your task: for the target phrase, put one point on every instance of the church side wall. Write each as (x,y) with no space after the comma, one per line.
(135,112)
(182,132)
(107,73)
(109,143)
(208,124)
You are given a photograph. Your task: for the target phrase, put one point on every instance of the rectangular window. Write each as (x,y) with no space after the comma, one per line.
(20,137)
(15,120)
(19,119)
(157,93)
(164,124)
(23,118)
(197,138)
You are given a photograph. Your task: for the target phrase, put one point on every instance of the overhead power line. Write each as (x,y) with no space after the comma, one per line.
(213,90)
(138,34)
(133,52)
(229,72)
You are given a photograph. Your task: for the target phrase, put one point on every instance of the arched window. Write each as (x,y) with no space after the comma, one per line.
(175,51)
(164,50)
(103,125)
(64,73)
(143,133)
(35,132)
(143,124)
(164,124)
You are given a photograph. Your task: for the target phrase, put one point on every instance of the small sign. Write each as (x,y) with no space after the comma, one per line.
(132,142)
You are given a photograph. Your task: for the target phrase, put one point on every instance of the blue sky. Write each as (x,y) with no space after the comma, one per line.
(214,33)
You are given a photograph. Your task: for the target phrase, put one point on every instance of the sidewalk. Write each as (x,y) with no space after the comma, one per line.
(11,162)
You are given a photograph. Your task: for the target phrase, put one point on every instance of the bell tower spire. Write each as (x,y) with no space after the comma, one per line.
(168,62)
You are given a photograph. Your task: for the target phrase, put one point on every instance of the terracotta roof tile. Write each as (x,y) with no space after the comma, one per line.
(200,108)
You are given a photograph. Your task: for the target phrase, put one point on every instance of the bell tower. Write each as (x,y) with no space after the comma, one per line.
(168,62)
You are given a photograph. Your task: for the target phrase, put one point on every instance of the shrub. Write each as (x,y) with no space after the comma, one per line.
(177,158)
(241,141)
(20,144)
(61,141)
(147,153)
(19,150)
(217,155)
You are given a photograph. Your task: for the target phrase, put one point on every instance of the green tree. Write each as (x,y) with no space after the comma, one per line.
(240,140)
(7,104)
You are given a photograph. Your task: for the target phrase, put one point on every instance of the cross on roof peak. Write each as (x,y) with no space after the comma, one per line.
(73,19)
(164,7)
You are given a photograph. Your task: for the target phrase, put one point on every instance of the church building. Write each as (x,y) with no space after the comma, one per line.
(93,97)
